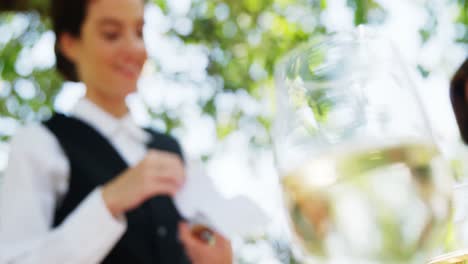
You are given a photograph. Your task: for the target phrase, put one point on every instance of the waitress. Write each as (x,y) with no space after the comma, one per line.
(92,186)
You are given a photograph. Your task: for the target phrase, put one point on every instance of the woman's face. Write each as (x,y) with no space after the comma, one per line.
(110,52)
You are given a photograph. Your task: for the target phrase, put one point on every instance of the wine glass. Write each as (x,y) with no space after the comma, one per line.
(363,181)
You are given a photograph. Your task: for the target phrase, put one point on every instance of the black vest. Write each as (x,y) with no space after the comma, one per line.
(151,235)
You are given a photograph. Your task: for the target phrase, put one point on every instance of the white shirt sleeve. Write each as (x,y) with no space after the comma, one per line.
(36,178)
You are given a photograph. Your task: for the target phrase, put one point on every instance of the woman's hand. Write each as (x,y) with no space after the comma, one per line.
(201,252)
(159,173)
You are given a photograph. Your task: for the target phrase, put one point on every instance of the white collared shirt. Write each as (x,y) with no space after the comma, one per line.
(36,179)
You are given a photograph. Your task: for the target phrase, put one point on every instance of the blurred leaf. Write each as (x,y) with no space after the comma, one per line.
(162,4)
(223,130)
(463,20)
(424,72)
(430,27)
(209,107)
(323,4)
(362,10)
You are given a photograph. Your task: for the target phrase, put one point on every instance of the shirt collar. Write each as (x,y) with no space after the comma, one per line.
(107,124)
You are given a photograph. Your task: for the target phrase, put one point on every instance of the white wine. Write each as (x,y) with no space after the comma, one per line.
(362,204)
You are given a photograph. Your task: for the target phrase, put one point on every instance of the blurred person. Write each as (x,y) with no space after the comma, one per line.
(459,99)
(92,186)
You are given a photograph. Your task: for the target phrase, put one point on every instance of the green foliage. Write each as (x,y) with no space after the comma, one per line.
(430,26)
(244,38)
(362,10)
(463,20)
(45,81)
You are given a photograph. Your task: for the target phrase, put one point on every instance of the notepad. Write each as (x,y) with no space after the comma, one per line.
(200,202)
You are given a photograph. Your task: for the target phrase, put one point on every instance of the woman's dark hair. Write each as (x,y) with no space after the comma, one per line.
(67,17)
(458,85)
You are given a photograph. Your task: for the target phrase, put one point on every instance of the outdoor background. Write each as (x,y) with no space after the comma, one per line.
(209,79)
